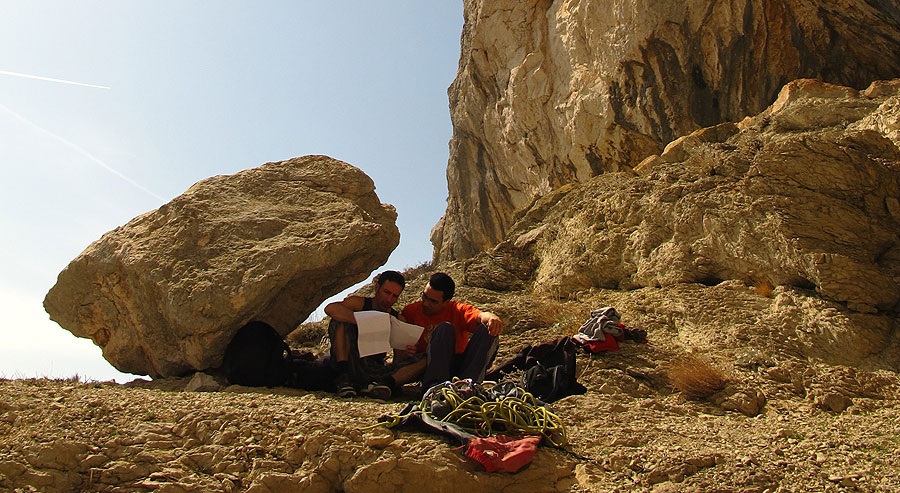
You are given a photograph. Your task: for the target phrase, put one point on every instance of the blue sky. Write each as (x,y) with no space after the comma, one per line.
(192,89)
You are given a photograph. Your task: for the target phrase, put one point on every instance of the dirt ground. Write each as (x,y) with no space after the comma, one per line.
(811,404)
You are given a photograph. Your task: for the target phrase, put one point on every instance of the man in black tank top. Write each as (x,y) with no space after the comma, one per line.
(355,374)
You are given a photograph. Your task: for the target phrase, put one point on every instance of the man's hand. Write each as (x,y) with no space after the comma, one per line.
(492,322)
(405,354)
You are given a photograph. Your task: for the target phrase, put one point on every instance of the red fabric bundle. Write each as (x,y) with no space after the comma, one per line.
(502,453)
(608,344)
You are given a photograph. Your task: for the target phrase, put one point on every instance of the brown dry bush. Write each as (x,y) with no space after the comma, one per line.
(695,377)
(411,273)
(309,336)
(763,287)
(566,317)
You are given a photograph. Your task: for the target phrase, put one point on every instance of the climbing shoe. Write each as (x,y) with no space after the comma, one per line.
(377,391)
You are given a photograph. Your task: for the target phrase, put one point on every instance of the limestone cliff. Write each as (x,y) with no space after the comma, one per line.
(549,93)
(805,194)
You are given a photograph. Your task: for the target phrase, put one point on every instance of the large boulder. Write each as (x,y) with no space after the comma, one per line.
(549,93)
(164,294)
(805,194)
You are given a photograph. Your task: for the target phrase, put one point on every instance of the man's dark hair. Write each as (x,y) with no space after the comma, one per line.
(391,275)
(443,283)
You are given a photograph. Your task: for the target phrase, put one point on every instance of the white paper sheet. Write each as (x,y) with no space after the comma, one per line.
(374,332)
(379,332)
(404,334)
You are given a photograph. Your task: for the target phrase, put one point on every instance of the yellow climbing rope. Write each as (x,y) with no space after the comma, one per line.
(482,414)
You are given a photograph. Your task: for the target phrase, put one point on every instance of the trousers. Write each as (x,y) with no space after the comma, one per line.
(443,362)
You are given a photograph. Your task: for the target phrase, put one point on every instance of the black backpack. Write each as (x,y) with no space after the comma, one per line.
(548,370)
(258,357)
(547,384)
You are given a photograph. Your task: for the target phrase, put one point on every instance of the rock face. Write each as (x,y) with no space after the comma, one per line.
(806,194)
(164,294)
(549,93)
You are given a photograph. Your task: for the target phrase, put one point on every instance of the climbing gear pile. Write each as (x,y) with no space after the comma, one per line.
(464,409)
(505,409)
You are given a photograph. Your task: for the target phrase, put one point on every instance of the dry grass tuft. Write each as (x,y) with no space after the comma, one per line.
(546,312)
(74,379)
(695,377)
(310,336)
(412,273)
(763,287)
(565,317)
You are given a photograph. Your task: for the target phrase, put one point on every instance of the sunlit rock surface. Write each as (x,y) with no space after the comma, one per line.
(805,194)
(549,93)
(164,294)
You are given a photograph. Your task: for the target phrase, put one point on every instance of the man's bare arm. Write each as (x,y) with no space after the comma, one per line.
(493,323)
(342,311)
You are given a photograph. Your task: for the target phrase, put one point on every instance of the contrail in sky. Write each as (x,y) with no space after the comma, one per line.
(81,151)
(38,77)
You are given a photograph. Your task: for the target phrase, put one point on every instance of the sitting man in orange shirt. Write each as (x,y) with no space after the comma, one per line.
(459,339)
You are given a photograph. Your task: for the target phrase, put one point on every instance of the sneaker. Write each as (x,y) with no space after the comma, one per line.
(377,391)
(345,386)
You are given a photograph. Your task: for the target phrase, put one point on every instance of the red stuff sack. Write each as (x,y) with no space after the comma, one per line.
(500,453)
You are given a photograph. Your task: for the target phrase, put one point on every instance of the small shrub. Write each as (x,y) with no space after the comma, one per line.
(75,379)
(547,313)
(763,287)
(695,377)
(565,318)
(414,272)
(309,335)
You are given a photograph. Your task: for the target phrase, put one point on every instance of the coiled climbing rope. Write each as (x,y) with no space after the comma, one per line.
(480,411)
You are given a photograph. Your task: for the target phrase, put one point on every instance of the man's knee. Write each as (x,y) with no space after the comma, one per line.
(445,328)
(486,340)
(442,345)
(482,332)
(443,335)
(339,340)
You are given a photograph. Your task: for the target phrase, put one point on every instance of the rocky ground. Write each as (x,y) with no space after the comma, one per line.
(807,407)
